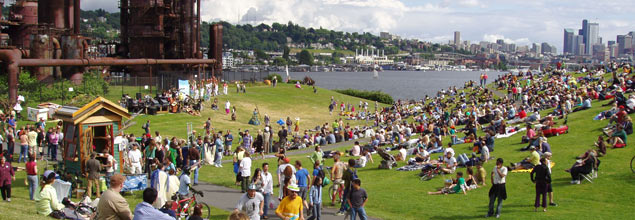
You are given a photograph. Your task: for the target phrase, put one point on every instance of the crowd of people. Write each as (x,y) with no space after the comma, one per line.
(472,111)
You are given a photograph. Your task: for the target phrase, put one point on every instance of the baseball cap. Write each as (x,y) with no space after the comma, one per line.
(532,148)
(47,173)
(252,187)
(293,187)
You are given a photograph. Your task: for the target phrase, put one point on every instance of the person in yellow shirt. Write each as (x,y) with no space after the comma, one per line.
(529,162)
(290,207)
(46,201)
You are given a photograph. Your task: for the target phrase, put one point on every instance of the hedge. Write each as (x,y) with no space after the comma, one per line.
(370,95)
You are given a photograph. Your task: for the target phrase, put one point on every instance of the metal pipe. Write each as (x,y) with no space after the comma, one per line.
(76,16)
(109,62)
(11,58)
(57,54)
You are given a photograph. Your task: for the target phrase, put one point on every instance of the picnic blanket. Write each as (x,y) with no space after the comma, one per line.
(529,170)
(509,133)
(411,167)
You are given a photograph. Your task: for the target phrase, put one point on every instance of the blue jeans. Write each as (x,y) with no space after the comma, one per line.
(358,211)
(219,157)
(316,212)
(192,162)
(108,175)
(265,208)
(492,199)
(344,206)
(53,149)
(24,151)
(33,185)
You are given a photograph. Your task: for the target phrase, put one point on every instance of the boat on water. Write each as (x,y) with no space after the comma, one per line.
(375,72)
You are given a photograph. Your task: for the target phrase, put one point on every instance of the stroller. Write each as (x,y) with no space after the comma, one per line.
(388,161)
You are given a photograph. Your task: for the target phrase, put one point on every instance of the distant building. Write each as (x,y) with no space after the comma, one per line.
(624,44)
(457,38)
(567,48)
(228,60)
(384,35)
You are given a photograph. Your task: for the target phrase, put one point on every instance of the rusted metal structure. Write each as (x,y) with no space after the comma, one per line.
(160,29)
(44,36)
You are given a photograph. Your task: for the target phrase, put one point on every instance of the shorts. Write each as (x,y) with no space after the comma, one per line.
(549,189)
(447,190)
(337,183)
(302,192)
(620,145)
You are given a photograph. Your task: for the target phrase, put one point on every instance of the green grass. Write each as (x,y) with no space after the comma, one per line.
(401,195)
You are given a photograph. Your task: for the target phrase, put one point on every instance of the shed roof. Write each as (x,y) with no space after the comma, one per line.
(77,115)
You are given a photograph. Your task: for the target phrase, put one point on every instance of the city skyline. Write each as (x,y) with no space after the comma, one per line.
(519,22)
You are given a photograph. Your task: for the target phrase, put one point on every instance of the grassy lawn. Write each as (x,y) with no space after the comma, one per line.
(401,195)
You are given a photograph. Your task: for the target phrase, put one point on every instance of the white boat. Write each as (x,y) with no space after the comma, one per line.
(375,73)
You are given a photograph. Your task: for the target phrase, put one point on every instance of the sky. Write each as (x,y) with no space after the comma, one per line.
(516,21)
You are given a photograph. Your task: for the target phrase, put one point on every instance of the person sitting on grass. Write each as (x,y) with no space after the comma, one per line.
(618,138)
(449,163)
(470,180)
(450,187)
(480,174)
(530,162)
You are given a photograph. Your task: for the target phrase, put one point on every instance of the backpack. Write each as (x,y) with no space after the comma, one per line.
(325,180)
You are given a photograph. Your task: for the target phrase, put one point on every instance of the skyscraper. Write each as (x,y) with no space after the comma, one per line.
(457,38)
(624,43)
(591,38)
(567,48)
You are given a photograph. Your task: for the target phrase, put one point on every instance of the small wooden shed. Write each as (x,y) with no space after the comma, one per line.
(91,128)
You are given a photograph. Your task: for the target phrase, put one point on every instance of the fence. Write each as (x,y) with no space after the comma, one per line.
(245,76)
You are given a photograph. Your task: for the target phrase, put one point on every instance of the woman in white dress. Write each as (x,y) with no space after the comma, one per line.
(209,151)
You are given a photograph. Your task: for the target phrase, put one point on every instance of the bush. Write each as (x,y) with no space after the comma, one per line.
(272,75)
(370,95)
(293,81)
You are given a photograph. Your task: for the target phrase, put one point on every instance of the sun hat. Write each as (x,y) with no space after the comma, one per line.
(293,187)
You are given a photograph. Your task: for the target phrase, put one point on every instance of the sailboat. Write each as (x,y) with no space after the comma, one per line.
(286,69)
(375,73)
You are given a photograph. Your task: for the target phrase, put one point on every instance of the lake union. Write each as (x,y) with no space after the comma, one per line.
(398,84)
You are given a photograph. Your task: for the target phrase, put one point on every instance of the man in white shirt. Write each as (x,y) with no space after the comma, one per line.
(135,159)
(450,163)
(245,171)
(498,190)
(252,203)
(267,187)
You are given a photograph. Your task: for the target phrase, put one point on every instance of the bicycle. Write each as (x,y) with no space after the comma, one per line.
(429,173)
(184,208)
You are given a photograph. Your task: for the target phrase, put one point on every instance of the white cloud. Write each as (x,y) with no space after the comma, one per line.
(517,21)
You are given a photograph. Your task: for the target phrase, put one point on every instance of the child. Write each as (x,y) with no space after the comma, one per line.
(452,188)
(315,198)
(480,174)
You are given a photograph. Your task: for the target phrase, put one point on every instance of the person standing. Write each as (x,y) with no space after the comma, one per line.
(31,175)
(542,178)
(248,142)
(24,146)
(227,107)
(92,174)
(32,134)
(112,205)
(498,190)
(6,176)
(251,202)
(290,208)
(303,179)
(218,156)
(228,143)
(267,188)
(315,198)
(110,166)
(135,159)
(245,171)
(10,144)
(54,139)
(349,175)
(265,141)
(357,199)
(194,156)
(146,127)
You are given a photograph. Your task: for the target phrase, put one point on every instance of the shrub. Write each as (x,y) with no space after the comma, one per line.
(370,95)
(272,75)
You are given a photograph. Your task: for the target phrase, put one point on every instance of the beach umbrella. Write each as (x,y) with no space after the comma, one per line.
(280,122)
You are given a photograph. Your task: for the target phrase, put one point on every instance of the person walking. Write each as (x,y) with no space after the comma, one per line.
(92,175)
(24,146)
(303,179)
(357,199)
(267,188)
(542,178)
(6,176)
(195,157)
(245,171)
(315,198)
(290,208)
(251,202)
(498,190)
(31,175)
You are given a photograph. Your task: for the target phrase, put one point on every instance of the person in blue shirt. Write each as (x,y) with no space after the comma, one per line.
(145,211)
(228,142)
(185,182)
(219,149)
(302,177)
(315,198)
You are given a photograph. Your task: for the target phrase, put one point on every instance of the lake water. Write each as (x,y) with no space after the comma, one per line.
(399,84)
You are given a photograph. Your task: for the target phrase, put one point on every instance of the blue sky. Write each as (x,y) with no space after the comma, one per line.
(516,21)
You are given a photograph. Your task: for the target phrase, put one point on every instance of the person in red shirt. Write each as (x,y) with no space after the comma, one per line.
(31,176)
(7,174)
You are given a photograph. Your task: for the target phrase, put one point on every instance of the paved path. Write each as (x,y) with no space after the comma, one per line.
(225,198)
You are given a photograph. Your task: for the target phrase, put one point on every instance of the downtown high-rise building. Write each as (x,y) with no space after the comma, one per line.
(457,38)
(583,42)
(567,48)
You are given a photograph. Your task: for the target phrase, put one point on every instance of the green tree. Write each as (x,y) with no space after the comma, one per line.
(261,55)
(285,54)
(305,57)
(279,61)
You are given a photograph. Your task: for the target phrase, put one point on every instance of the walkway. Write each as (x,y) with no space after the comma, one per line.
(225,198)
